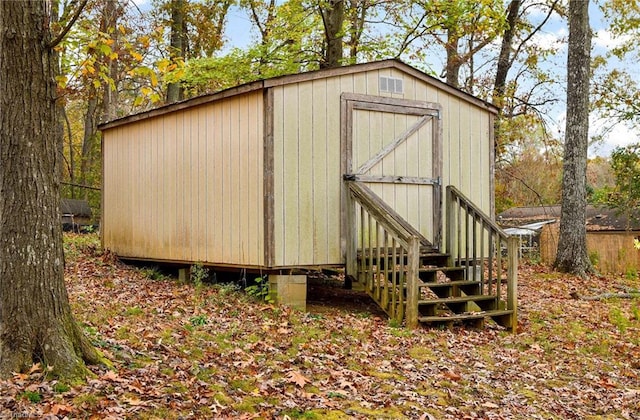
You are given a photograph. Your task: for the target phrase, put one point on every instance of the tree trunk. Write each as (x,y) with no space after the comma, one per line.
(504,58)
(89,136)
(452,70)
(101,101)
(572,242)
(178,46)
(357,13)
(36,324)
(333,20)
(108,23)
(502,70)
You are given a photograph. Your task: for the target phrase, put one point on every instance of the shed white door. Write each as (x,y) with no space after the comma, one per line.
(393,146)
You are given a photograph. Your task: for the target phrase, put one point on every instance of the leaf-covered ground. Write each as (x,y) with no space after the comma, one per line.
(209,351)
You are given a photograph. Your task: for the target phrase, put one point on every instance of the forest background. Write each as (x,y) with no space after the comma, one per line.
(125,56)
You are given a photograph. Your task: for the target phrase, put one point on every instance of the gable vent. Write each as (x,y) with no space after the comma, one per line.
(391,85)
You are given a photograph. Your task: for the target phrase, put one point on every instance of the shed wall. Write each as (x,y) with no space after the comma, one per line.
(307,178)
(188,185)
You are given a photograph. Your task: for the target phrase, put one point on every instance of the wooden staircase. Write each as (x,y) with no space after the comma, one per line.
(469,283)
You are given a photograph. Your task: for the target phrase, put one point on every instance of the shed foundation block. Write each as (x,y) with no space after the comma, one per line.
(184,274)
(290,290)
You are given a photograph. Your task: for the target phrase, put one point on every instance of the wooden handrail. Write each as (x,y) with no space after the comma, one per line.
(453,191)
(397,241)
(464,241)
(382,211)
(367,199)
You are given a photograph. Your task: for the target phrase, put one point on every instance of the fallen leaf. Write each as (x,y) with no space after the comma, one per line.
(216,404)
(451,375)
(60,409)
(134,401)
(297,378)
(111,376)
(20,376)
(35,368)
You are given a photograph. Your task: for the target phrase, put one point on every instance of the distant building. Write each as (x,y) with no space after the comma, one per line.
(75,214)
(610,235)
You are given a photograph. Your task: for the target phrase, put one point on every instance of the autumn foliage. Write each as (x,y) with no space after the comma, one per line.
(209,351)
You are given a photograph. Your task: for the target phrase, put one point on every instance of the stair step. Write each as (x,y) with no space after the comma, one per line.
(458,299)
(434,258)
(453,283)
(465,316)
(444,269)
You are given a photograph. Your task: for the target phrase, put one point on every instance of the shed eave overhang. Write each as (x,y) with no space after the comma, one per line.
(303,77)
(188,103)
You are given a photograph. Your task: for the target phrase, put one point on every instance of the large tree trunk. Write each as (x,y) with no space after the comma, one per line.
(36,324)
(572,243)
(333,20)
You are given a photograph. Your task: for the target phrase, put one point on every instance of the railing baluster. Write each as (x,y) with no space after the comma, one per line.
(378,264)
(370,259)
(385,280)
(466,236)
(501,273)
(363,263)
(399,290)
(492,256)
(474,242)
(498,266)
(413,258)
(482,245)
(394,278)
(459,222)
(513,245)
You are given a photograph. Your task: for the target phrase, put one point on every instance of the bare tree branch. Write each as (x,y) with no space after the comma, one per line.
(70,24)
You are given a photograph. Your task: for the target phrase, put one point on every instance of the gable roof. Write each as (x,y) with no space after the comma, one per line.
(297,78)
(599,218)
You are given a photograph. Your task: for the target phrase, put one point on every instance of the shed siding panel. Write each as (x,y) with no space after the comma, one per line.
(319,162)
(464,145)
(255,172)
(233,211)
(146,194)
(291,177)
(278,176)
(200,189)
(217,159)
(170,179)
(306,208)
(333,175)
(187,186)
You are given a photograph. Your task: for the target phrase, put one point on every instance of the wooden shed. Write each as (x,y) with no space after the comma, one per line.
(268,175)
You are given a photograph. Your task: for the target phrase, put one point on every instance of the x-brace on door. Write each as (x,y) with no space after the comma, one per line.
(394,147)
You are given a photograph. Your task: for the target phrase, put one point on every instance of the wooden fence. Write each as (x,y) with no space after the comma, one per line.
(610,251)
